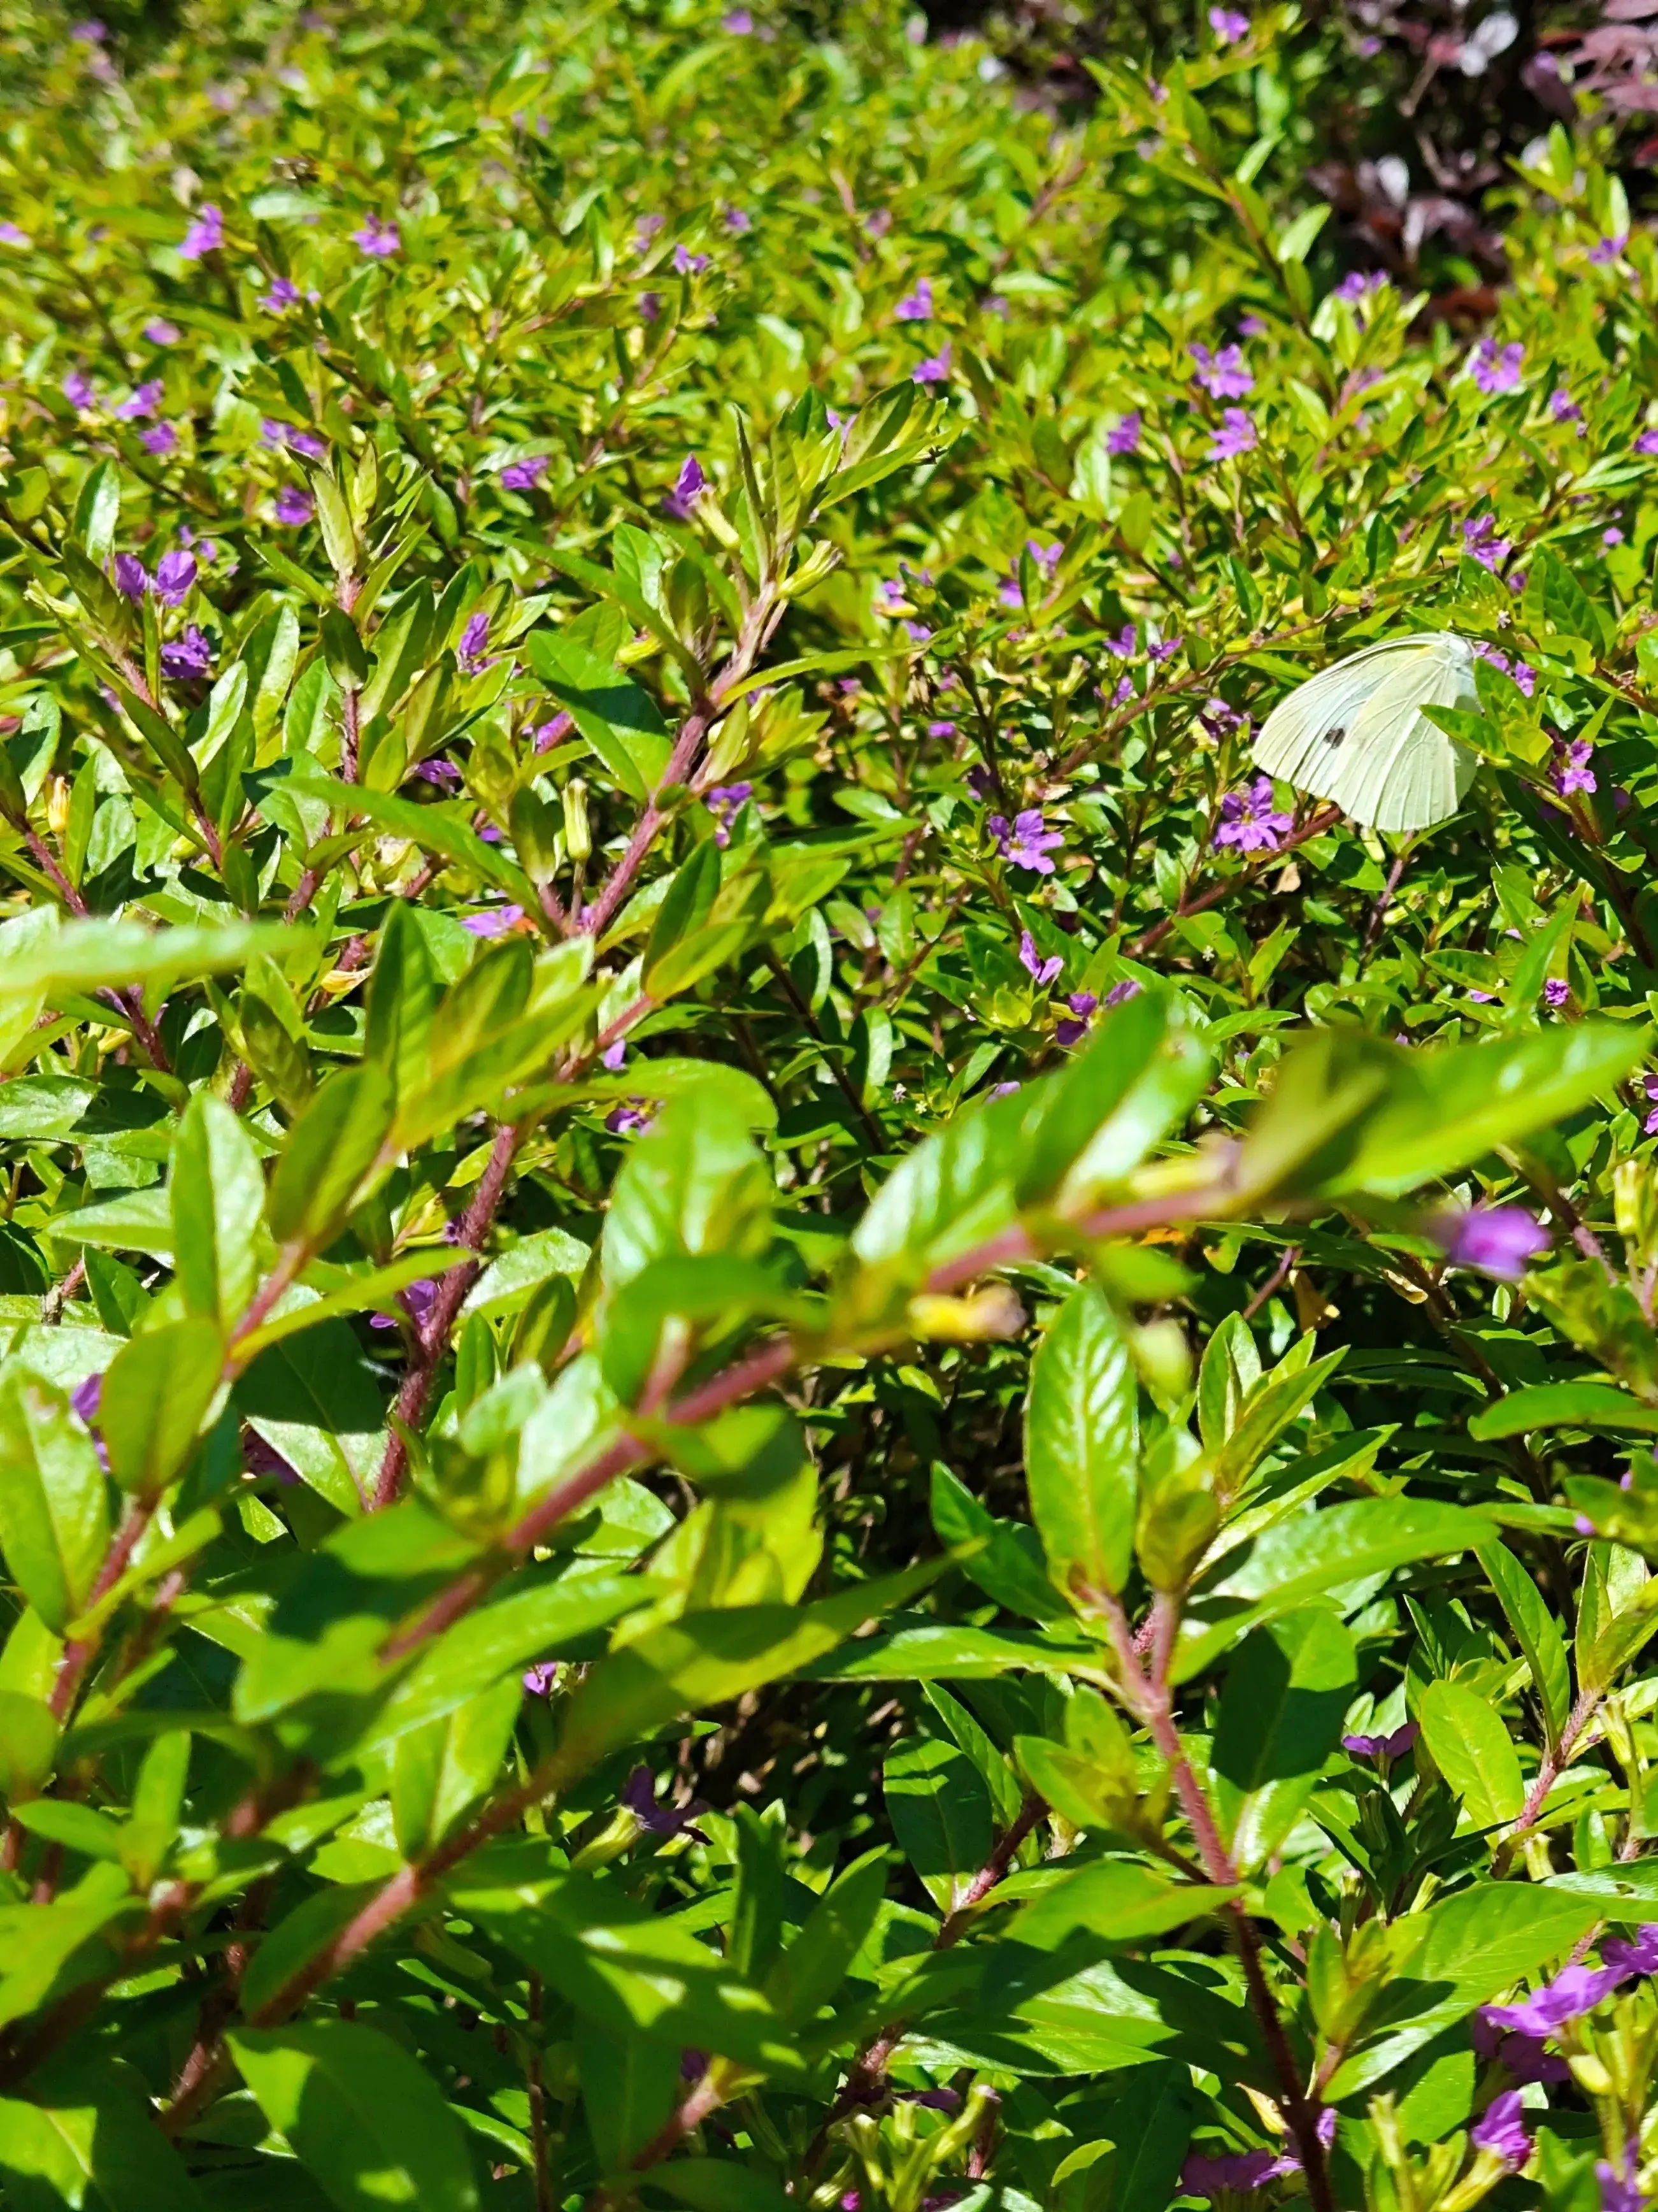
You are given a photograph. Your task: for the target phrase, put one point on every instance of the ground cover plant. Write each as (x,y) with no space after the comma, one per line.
(791,1412)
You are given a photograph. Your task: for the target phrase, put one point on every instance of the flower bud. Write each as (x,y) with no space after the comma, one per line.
(578,835)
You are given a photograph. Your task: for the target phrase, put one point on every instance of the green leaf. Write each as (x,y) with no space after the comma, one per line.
(836,1928)
(1469,1743)
(54,1523)
(695,1184)
(940,1812)
(1115,1899)
(90,2141)
(330,1151)
(1536,1632)
(1280,1718)
(629,2087)
(618,720)
(1082,1445)
(991,1551)
(442,1770)
(1153,2128)
(1564,1406)
(365,2119)
(155,1397)
(216,1193)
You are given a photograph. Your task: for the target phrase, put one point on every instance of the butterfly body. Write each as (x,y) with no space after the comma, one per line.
(1356,733)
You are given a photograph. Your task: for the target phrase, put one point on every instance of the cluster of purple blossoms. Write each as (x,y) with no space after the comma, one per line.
(161,438)
(188,657)
(1124,437)
(1046,559)
(77,388)
(1650,1084)
(1229,26)
(687,264)
(277,436)
(1042,971)
(1571,770)
(526,474)
(1522,670)
(631,1119)
(1564,408)
(378,239)
(175,572)
(1480,542)
(1500,1241)
(1202,2176)
(935,370)
(442,773)
(1027,841)
(1556,992)
(1236,435)
(1496,368)
(1223,375)
(417,1301)
(679,504)
(1382,1746)
(916,306)
(474,639)
(295,506)
(143,403)
(279,295)
(736,220)
(725,801)
(1249,821)
(205,235)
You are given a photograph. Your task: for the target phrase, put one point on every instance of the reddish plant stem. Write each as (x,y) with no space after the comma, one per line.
(536,2088)
(349,736)
(128,1001)
(1323,819)
(79,1655)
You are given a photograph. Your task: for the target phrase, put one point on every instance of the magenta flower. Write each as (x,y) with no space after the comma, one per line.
(86,1396)
(280,295)
(1236,435)
(144,401)
(1125,647)
(378,241)
(1249,821)
(1572,771)
(941,729)
(1640,1957)
(1496,368)
(469,654)
(687,264)
(1228,25)
(1124,437)
(1500,1241)
(11,236)
(1239,2170)
(935,370)
(77,388)
(1564,408)
(1031,961)
(1572,1993)
(539,1681)
(1647,442)
(689,484)
(639,1796)
(1556,992)
(161,438)
(175,572)
(1502,2129)
(1481,544)
(526,474)
(726,802)
(1223,375)
(916,307)
(1028,843)
(414,1301)
(492,922)
(1618,2191)
(1082,1006)
(737,220)
(131,579)
(629,1120)
(738,21)
(1607,250)
(443,772)
(614,1056)
(1382,1746)
(161,332)
(1046,557)
(295,506)
(188,657)
(205,235)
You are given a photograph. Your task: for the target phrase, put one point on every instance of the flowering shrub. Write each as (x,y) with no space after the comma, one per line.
(790,1410)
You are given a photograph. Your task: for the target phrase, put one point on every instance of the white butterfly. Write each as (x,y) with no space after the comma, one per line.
(1356,733)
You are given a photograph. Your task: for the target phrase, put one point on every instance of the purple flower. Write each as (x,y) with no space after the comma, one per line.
(294,506)
(1647,442)
(144,401)
(1009,592)
(1640,1957)
(469,654)
(879,221)
(1612,537)
(1223,375)
(526,474)
(1481,544)
(131,580)
(1124,437)
(1128,988)
(414,1301)
(174,574)
(1357,283)
(1494,1240)
(206,235)
(639,1796)
(92,32)
(689,484)
(941,729)
(309,444)
(629,1120)
(443,772)
(917,632)
(378,239)
(997,303)
(1032,962)
(1496,368)
(85,1398)
(161,438)
(737,220)
(1607,250)
(1082,1005)
(1228,25)
(1166,650)
(916,307)
(1502,2129)
(1239,2170)
(1028,843)
(889,598)
(1046,557)
(540,1681)
(493,921)
(1618,2191)
(1236,435)
(613,1055)
(726,802)
(687,264)
(280,295)
(1218,716)
(1125,647)
(1572,771)
(1249,821)
(935,370)
(161,332)
(1382,1746)
(1556,992)
(11,236)
(646,229)
(1564,408)
(77,390)
(739,22)
(188,656)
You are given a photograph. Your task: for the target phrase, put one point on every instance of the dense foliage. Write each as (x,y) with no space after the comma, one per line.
(791,1412)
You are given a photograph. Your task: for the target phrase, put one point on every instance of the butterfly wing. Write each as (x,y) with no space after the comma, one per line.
(1356,733)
